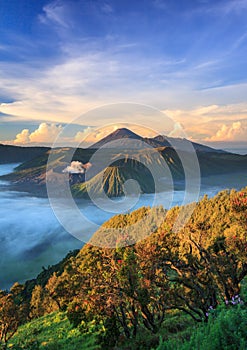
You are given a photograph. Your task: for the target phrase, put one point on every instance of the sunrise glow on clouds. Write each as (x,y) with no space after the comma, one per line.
(44,133)
(59,59)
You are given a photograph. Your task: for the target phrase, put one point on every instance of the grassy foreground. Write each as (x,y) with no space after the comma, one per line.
(226,329)
(52,332)
(175,290)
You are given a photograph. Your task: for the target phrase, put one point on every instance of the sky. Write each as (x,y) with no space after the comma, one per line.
(60,59)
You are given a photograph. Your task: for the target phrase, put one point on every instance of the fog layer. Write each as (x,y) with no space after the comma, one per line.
(32,237)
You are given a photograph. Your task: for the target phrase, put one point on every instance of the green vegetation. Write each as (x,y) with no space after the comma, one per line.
(52,332)
(46,273)
(225,329)
(175,289)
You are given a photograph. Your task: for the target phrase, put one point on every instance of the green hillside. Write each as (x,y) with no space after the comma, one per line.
(52,332)
(179,287)
(225,329)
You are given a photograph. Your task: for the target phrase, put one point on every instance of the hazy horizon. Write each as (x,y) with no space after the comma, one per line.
(233,147)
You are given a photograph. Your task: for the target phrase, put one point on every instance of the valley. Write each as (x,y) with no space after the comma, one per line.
(123,155)
(25,203)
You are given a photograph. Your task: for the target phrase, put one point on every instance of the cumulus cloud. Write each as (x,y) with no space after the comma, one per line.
(22,137)
(209,113)
(233,132)
(45,133)
(211,122)
(92,135)
(81,135)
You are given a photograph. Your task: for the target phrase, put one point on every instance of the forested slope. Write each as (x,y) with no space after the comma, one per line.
(164,285)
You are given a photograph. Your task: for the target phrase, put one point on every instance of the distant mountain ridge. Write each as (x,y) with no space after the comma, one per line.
(169,141)
(124,162)
(18,154)
(157,141)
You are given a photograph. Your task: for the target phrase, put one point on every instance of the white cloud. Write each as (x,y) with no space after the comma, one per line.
(204,122)
(93,74)
(45,133)
(82,135)
(22,137)
(233,132)
(91,135)
(55,12)
(199,112)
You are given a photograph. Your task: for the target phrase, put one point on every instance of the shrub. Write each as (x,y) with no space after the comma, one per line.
(226,329)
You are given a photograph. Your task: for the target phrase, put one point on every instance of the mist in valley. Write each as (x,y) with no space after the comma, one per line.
(31,236)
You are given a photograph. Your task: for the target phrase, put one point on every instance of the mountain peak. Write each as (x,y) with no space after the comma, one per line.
(121,133)
(125,133)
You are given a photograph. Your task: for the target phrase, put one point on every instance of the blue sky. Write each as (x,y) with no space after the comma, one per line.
(59,59)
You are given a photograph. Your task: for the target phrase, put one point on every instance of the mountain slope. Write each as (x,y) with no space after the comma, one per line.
(117,165)
(195,278)
(178,143)
(111,182)
(124,134)
(53,331)
(16,154)
(119,134)
(149,167)
(30,176)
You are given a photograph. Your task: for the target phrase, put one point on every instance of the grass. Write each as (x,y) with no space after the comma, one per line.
(177,327)
(226,330)
(52,332)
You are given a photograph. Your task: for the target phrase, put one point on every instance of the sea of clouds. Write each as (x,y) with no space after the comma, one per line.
(32,237)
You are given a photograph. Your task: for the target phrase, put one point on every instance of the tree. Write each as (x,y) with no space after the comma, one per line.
(41,303)
(17,291)
(9,317)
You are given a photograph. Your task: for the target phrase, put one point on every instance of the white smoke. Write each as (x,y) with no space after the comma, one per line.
(76,167)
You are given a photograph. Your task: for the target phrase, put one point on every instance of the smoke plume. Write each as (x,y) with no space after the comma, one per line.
(76,167)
